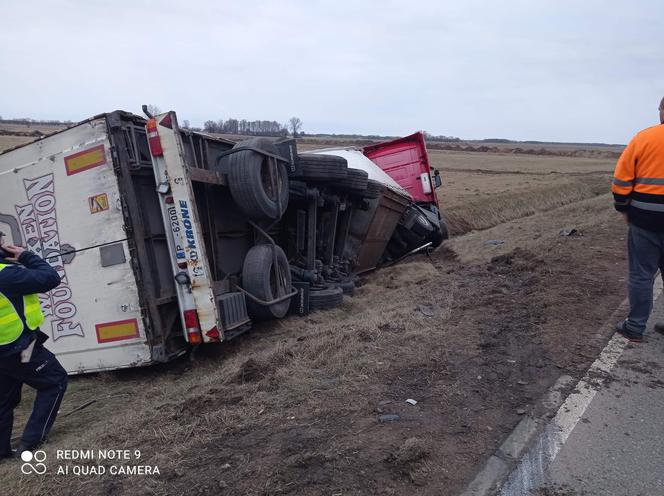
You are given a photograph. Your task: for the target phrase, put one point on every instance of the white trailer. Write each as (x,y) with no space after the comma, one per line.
(166,238)
(84,199)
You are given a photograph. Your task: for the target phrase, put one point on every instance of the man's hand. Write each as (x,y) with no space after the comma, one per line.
(15,251)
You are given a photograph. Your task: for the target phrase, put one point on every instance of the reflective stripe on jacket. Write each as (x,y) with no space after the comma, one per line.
(638,180)
(11,325)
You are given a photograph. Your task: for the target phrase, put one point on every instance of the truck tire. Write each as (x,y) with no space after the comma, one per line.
(323,168)
(324,299)
(250,184)
(259,277)
(374,190)
(355,181)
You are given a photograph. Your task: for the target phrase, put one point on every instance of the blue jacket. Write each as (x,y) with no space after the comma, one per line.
(35,276)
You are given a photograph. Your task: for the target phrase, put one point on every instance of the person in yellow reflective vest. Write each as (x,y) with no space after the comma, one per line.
(23,358)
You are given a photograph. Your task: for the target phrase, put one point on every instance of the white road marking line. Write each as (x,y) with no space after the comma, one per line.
(530,471)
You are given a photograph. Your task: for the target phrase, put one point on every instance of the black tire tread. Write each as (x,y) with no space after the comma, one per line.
(318,167)
(244,178)
(355,181)
(325,299)
(374,189)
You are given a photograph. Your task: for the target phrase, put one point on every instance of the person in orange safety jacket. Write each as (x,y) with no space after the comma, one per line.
(638,192)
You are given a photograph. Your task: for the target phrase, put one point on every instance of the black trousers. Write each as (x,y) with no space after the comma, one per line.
(45,374)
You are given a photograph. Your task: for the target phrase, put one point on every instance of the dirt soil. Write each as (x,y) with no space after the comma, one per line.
(317,405)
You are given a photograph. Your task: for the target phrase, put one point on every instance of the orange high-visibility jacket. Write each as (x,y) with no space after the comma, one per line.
(638,181)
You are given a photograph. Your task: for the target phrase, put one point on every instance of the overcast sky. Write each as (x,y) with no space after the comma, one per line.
(547,69)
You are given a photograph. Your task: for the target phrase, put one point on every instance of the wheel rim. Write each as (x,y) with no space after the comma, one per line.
(266,180)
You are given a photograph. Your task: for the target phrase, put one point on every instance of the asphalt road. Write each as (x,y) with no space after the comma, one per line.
(617,447)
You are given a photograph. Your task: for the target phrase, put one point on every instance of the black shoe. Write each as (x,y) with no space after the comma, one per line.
(24,447)
(632,336)
(659,327)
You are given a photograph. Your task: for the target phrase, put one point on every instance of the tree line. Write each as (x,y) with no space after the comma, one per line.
(26,121)
(253,128)
(243,126)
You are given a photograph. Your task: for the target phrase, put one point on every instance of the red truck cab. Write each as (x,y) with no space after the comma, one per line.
(407,162)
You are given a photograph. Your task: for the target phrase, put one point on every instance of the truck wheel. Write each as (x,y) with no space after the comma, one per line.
(259,277)
(250,183)
(374,189)
(355,181)
(324,299)
(316,167)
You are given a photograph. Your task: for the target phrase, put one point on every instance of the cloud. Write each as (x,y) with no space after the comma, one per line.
(550,70)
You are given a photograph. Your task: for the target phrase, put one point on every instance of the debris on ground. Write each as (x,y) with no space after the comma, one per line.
(429,310)
(389,417)
(570,232)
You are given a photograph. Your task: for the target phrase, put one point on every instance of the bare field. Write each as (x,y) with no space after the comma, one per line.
(474,333)
(7,142)
(549,146)
(513,162)
(12,135)
(42,128)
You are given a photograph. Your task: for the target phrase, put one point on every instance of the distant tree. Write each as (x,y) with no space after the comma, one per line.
(185,124)
(231,126)
(295,125)
(210,127)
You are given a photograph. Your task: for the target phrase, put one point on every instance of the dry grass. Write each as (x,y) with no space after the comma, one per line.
(7,142)
(303,366)
(501,162)
(42,128)
(302,392)
(541,229)
(485,212)
(410,459)
(290,408)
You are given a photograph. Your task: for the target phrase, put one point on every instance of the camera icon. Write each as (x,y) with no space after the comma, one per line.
(34,462)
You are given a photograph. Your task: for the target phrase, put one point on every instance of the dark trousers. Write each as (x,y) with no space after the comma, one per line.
(45,374)
(646,257)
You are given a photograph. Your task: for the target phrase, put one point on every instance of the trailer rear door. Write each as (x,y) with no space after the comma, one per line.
(189,261)
(61,194)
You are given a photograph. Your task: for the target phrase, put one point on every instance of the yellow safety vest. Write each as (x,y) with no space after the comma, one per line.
(11,325)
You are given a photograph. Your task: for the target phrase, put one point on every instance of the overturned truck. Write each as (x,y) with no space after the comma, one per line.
(167,238)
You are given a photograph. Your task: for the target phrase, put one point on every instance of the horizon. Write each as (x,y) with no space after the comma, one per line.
(452,138)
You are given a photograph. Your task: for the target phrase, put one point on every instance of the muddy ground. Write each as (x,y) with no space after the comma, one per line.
(317,405)
(298,408)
